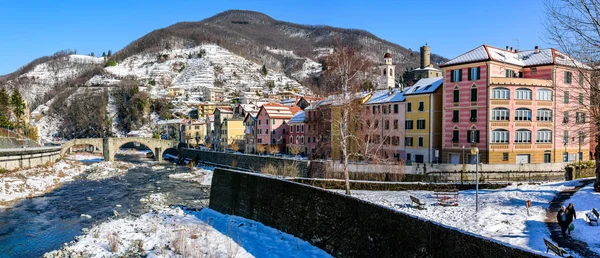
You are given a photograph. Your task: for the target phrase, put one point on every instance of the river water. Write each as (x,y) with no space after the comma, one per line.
(35,226)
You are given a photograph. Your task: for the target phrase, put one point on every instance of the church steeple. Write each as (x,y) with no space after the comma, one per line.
(387,72)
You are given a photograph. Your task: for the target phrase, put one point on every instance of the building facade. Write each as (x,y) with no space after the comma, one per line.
(295,138)
(515,107)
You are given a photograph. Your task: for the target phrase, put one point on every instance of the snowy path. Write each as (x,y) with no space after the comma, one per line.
(573,245)
(584,201)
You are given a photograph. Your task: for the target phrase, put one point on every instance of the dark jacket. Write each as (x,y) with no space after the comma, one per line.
(571,214)
(559,216)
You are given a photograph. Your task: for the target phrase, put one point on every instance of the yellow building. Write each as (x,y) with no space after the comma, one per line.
(423,121)
(176,91)
(208,108)
(233,133)
(195,131)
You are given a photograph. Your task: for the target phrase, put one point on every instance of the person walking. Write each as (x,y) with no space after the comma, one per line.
(571,215)
(561,217)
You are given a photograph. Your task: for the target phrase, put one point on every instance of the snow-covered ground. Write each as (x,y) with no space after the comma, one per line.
(201,175)
(173,232)
(502,213)
(584,201)
(39,180)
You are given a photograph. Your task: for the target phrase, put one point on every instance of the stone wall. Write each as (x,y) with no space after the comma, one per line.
(250,162)
(27,157)
(341,225)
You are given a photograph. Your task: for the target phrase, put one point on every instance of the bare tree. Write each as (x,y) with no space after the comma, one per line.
(573,26)
(346,72)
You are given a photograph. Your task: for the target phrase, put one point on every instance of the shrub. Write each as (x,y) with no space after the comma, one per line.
(269,169)
(152,82)
(110,63)
(181,69)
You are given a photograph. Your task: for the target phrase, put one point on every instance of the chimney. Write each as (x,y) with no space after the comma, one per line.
(425,56)
(537,49)
(511,49)
(506,48)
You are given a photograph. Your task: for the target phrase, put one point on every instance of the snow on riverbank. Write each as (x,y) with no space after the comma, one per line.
(502,214)
(201,175)
(584,201)
(173,232)
(36,181)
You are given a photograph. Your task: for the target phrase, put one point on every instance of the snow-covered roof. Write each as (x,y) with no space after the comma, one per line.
(521,58)
(276,110)
(385,96)
(171,121)
(425,85)
(298,117)
(427,69)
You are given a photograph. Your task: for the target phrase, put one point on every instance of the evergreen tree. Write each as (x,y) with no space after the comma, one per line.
(103,54)
(5,109)
(264,70)
(92,54)
(18,105)
(109,53)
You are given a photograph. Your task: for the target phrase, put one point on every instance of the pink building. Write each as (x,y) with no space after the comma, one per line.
(385,114)
(271,124)
(515,107)
(295,138)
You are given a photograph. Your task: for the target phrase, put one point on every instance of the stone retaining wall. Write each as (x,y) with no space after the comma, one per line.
(27,157)
(344,226)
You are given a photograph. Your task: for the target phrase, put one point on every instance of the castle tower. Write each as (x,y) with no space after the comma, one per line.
(387,72)
(425,56)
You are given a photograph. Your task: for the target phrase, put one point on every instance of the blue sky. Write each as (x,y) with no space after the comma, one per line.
(30,29)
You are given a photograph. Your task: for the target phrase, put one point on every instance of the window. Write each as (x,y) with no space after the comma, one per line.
(474,73)
(522,114)
(302,128)
(580,117)
(291,129)
(421,142)
(523,136)
(283,132)
(454,116)
(376,124)
(456,75)
(308,139)
(533,70)
(499,136)
(500,93)
(421,105)
(409,107)
(259,122)
(395,108)
(566,117)
(473,136)
(580,79)
(267,131)
(544,115)
(566,137)
(510,73)
(568,77)
(386,141)
(455,135)
(543,136)
(421,124)
(500,114)
(473,117)
(387,124)
(396,124)
(385,109)
(580,98)
(302,140)
(566,97)
(473,94)
(291,140)
(523,93)
(396,140)
(456,95)
(408,124)
(543,94)
(266,121)
(504,156)
(408,141)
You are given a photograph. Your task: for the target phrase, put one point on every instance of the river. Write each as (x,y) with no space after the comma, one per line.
(35,226)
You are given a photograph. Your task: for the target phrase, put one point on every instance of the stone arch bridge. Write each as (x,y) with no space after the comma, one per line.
(110,146)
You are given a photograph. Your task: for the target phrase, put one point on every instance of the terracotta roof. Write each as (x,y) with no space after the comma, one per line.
(387,55)
(276,110)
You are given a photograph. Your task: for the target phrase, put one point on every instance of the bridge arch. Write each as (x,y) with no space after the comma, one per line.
(96,142)
(110,146)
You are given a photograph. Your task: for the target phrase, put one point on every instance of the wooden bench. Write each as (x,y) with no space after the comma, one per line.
(446,197)
(592,216)
(551,246)
(420,205)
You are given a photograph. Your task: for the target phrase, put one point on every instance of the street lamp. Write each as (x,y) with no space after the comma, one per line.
(463,166)
(475,151)
(579,154)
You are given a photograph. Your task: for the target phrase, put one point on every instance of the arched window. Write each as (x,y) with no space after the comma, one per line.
(523,114)
(500,114)
(384,71)
(544,114)
(456,95)
(500,136)
(523,93)
(544,94)
(297,139)
(543,136)
(523,136)
(291,140)
(500,93)
(391,71)
(474,93)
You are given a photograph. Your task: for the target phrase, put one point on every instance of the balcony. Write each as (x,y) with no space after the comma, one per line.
(520,81)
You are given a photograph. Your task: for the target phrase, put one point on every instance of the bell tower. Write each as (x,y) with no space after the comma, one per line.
(387,72)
